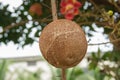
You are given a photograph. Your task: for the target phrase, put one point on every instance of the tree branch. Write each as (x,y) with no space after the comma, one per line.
(47,20)
(115,4)
(116,40)
(12,25)
(104,24)
(96,7)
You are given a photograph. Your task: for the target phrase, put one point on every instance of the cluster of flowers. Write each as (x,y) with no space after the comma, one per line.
(70,8)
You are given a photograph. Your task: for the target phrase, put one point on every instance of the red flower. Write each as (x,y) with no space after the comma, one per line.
(70,8)
(69,16)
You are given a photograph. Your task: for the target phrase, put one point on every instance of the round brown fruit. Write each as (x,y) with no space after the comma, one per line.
(36,9)
(63,43)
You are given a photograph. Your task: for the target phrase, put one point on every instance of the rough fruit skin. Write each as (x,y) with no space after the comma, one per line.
(63,43)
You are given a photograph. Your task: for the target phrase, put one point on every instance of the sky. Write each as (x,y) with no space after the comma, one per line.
(10,50)
(12,3)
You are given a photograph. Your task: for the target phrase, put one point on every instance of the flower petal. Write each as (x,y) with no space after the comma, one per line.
(63,3)
(77,4)
(76,11)
(69,6)
(62,10)
(69,16)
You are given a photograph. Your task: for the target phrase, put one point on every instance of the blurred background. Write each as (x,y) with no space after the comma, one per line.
(22,21)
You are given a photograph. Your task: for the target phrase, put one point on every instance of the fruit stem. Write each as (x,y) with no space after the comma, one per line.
(63,74)
(54,11)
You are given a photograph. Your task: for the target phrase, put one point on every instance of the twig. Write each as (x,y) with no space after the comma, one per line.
(89,14)
(92,44)
(22,23)
(46,5)
(104,24)
(13,25)
(116,40)
(94,4)
(48,20)
(114,4)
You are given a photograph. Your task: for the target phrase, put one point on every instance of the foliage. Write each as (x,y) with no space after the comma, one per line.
(27,75)
(17,26)
(107,62)
(3,69)
(75,73)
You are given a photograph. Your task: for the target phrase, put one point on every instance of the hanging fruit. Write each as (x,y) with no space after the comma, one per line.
(36,9)
(63,43)
(70,8)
